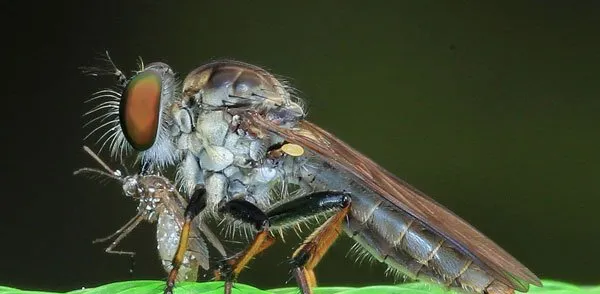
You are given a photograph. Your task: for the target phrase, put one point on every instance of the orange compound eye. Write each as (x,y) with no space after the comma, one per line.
(139,110)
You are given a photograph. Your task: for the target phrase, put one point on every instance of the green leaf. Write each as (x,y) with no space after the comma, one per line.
(150,287)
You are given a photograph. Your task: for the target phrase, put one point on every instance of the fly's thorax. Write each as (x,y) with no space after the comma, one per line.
(202,146)
(244,178)
(213,126)
(238,85)
(212,129)
(136,116)
(215,151)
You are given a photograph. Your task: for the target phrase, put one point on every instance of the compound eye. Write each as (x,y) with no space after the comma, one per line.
(139,109)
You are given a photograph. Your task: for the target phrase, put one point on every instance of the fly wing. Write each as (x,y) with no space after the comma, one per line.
(481,249)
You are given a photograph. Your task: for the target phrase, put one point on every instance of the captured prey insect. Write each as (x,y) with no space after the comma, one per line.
(240,134)
(160,202)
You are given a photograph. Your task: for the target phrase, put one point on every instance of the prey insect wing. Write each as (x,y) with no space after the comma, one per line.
(439,219)
(160,202)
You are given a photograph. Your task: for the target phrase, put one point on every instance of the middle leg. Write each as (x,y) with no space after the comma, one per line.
(289,214)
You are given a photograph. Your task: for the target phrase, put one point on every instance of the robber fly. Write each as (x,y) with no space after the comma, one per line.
(158,202)
(241,135)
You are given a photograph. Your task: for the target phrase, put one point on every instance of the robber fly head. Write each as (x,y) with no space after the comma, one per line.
(240,86)
(135,115)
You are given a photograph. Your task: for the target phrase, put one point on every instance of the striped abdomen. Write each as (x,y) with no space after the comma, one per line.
(407,246)
(404,243)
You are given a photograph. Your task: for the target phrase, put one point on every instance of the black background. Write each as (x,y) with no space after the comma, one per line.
(490,108)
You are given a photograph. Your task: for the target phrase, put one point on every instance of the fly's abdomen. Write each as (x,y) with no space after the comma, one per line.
(410,248)
(404,243)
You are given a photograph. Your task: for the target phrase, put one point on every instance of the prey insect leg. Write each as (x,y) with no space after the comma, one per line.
(121,233)
(195,206)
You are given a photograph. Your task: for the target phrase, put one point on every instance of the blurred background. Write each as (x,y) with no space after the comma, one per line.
(492,109)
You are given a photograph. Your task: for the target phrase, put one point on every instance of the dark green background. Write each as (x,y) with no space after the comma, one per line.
(491,108)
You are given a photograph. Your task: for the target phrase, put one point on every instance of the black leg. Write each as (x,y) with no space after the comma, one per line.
(308,255)
(309,205)
(195,206)
(247,212)
(288,214)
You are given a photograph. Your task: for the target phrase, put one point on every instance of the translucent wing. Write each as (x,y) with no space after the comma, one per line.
(482,250)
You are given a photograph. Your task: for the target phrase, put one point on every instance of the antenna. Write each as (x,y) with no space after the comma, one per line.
(108,172)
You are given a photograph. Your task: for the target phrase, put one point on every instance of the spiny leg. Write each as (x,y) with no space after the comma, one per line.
(247,212)
(285,215)
(195,206)
(308,255)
